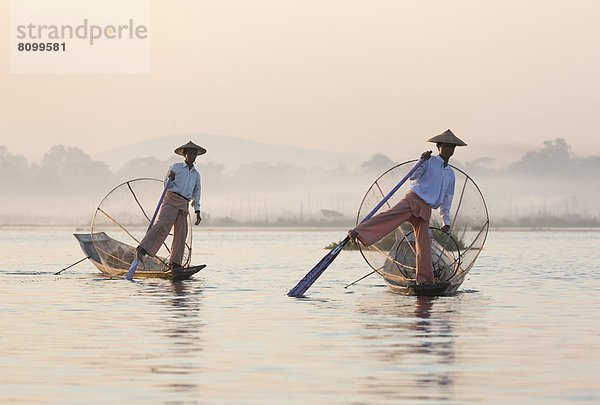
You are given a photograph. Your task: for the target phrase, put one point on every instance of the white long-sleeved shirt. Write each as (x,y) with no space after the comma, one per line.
(186,183)
(434,184)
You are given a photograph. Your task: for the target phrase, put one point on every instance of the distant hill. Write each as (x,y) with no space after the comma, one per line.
(230,151)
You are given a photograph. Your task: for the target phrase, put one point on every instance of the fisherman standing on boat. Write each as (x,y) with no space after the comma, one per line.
(174,211)
(433,187)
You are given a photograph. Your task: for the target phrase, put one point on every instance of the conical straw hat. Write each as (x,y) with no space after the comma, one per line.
(190,145)
(447,137)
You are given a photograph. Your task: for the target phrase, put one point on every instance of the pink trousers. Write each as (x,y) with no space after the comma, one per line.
(410,209)
(173,214)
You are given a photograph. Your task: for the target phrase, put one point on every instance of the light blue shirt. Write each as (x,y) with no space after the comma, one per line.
(186,183)
(434,184)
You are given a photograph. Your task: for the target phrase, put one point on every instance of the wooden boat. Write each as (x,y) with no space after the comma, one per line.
(113,259)
(409,287)
(399,270)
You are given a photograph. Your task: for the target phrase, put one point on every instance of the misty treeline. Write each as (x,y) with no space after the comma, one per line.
(67,184)
(549,186)
(554,158)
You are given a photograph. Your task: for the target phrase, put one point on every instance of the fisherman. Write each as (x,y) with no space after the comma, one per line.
(174,211)
(433,187)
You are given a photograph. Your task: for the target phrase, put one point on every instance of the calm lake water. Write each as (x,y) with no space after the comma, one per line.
(524,327)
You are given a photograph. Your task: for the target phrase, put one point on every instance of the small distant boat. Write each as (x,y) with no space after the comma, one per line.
(118,257)
(331,213)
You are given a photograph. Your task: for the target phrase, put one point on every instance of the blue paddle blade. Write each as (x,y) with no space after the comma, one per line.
(132,269)
(313,275)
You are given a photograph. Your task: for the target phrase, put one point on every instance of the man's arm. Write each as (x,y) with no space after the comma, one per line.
(196,201)
(170,174)
(446,205)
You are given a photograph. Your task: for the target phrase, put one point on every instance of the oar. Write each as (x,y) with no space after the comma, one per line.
(135,262)
(312,276)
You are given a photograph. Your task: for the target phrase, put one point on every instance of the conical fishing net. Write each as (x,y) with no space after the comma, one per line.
(453,255)
(121,221)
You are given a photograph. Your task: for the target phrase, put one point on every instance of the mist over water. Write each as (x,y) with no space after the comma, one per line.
(549,186)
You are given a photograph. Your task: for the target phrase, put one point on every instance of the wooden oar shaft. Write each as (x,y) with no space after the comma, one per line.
(392,191)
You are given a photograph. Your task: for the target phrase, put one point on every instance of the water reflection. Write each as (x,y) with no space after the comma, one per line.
(180,332)
(413,339)
(429,331)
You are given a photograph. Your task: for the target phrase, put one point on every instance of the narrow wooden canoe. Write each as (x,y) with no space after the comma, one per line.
(406,286)
(118,256)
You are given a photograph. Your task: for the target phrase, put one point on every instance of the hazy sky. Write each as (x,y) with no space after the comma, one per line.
(349,75)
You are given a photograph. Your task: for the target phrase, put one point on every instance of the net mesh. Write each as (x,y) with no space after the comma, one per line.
(453,255)
(121,221)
